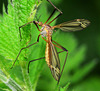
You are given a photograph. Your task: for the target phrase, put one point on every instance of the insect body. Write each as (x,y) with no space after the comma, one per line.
(51,54)
(46,30)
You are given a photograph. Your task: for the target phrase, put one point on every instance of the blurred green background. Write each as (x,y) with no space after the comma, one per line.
(82,69)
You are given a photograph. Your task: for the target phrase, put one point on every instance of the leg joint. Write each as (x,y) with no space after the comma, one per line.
(65,49)
(38,40)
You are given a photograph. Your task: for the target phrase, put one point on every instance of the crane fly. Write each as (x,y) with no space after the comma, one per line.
(51,54)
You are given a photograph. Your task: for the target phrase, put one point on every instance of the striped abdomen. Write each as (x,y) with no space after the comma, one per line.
(52,60)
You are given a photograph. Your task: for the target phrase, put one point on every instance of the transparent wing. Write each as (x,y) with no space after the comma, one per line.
(54,62)
(74,25)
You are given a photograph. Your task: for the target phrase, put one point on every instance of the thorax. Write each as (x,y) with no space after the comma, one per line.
(46,30)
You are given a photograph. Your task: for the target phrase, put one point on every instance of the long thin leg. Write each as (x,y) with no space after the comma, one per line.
(24,48)
(54,6)
(56,9)
(55,18)
(21,27)
(50,16)
(25,25)
(64,49)
(32,61)
(36,25)
(38,59)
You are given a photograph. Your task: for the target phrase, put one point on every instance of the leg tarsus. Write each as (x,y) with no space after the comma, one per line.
(56,9)
(54,6)
(16,58)
(63,66)
(32,61)
(25,48)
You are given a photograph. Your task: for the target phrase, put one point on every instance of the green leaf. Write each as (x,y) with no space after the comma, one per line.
(10,82)
(19,13)
(90,84)
(83,71)
(65,87)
